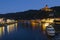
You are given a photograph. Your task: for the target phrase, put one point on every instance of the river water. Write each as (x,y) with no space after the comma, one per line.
(22,31)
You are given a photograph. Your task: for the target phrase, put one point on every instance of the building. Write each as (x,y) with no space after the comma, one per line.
(46,8)
(50,13)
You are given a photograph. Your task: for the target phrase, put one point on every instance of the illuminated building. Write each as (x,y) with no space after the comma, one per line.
(46,8)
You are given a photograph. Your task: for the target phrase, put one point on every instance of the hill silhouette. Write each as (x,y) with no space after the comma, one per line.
(31,14)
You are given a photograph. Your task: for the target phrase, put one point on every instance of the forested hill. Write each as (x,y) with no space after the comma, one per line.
(31,14)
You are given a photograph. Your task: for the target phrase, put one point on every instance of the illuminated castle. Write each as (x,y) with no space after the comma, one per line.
(46,8)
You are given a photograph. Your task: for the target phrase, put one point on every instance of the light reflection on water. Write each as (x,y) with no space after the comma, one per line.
(24,31)
(11,27)
(2,31)
(8,28)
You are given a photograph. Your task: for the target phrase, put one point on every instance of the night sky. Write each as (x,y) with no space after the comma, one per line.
(8,6)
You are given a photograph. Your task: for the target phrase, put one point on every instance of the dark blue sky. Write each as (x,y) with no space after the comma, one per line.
(7,6)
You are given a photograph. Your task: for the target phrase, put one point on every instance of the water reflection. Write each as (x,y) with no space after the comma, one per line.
(2,31)
(25,31)
(8,28)
(11,28)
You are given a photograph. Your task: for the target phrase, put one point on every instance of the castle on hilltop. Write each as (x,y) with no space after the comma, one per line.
(46,8)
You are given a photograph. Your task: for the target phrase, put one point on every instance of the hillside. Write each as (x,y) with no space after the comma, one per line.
(31,14)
